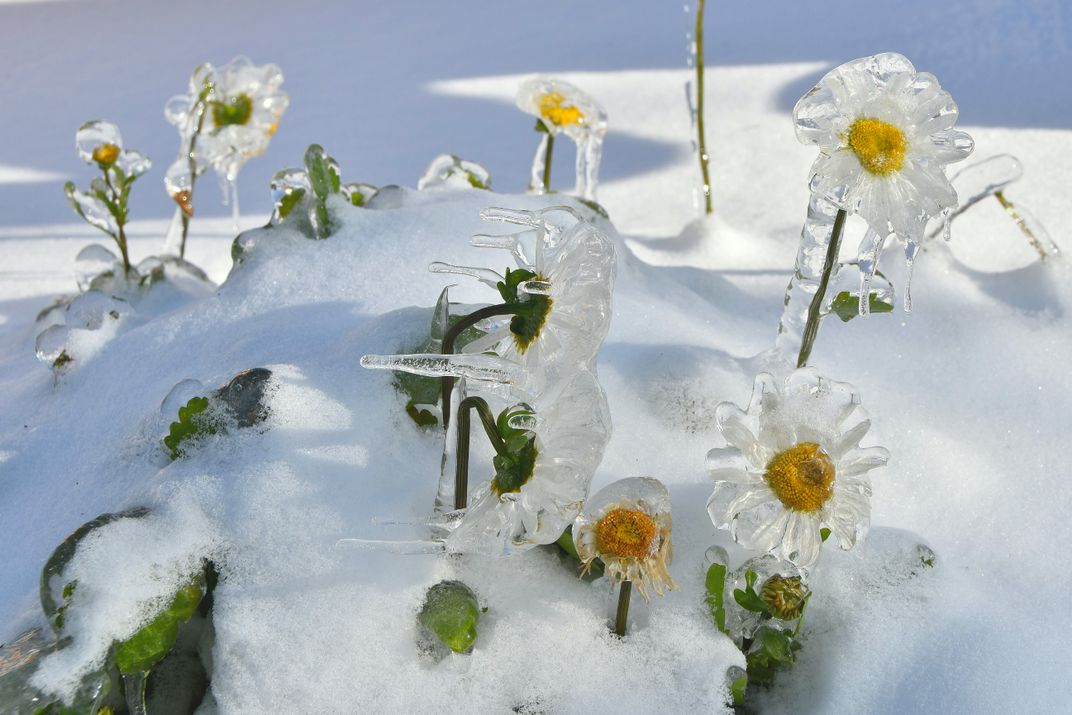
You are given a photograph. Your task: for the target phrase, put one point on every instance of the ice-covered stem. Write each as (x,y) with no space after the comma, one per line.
(447,381)
(119,211)
(541,165)
(621,617)
(461,464)
(810,263)
(1020,221)
(811,328)
(700,137)
(187,206)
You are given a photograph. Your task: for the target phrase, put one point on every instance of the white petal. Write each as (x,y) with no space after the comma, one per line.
(802,542)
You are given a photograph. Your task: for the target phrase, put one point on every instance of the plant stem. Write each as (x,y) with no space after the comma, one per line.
(811,328)
(447,382)
(547,162)
(191,157)
(120,222)
(622,616)
(461,465)
(701,139)
(1015,215)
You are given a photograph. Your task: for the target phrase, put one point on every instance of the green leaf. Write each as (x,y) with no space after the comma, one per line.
(541,127)
(737,689)
(323,176)
(777,644)
(749,600)
(824,533)
(847,305)
(144,649)
(716,594)
(289,201)
(194,422)
(451,613)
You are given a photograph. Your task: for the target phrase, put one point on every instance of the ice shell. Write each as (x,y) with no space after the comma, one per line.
(91,309)
(93,134)
(179,395)
(92,261)
(449,172)
(51,343)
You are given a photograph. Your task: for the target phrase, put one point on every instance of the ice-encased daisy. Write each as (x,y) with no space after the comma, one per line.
(243,111)
(537,490)
(627,526)
(885,133)
(793,464)
(563,281)
(561,106)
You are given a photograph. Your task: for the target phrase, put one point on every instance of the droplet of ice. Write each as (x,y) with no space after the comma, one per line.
(92,261)
(51,343)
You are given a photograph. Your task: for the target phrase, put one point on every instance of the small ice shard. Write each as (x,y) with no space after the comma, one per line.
(408,548)
(485,275)
(449,172)
(474,367)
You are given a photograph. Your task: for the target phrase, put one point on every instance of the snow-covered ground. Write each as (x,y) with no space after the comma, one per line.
(970,392)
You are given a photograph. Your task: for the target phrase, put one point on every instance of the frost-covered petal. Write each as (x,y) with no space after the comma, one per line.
(802,542)
(730,464)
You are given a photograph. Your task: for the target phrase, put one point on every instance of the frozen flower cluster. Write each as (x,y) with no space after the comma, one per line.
(535,354)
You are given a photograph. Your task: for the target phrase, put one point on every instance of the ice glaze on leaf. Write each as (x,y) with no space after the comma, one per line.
(451,613)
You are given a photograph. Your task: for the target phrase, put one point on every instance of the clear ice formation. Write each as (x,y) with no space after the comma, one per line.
(566,109)
(244,108)
(885,133)
(449,172)
(990,177)
(572,265)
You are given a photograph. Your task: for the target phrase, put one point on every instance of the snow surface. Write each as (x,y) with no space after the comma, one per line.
(970,393)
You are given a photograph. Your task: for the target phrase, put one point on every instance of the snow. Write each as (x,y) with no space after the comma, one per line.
(970,393)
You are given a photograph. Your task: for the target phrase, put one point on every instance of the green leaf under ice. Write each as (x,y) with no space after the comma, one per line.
(847,306)
(451,613)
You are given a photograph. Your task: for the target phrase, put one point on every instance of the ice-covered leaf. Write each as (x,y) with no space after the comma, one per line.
(91,209)
(715,583)
(450,611)
(847,305)
(144,649)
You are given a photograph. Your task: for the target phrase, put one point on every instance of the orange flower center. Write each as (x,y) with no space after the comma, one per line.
(626,533)
(106,154)
(802,476)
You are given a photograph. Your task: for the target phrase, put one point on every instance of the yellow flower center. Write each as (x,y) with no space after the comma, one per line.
(802,476)
(552,110)
(106,154)
(626,533)
(878,145)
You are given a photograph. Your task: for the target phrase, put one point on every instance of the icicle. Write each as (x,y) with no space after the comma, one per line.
(484,275)
(870,247)
(409,548)
(232,184)
(475,367)
(911,248)
(536,180)
(444,499)
(510,243)
(535,287)
(173,238)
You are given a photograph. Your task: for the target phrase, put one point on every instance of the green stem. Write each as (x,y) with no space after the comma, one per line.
(622,616)
(120,222)
(547,162)
(701,139)
(461,463)
(447,382)
(811,328)
(191,157)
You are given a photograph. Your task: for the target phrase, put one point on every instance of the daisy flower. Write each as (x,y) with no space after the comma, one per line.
(885,133)
(539,484)
(243,111)
(627,526)
(562,108)
(563,284)
(793,464)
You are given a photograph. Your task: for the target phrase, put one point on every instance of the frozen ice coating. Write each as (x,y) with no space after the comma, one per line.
(571,431)
(300,623)
(563,108)
(627,525)
(990,177)
(448,171)
(244,107)
(793,463)
(885,133)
